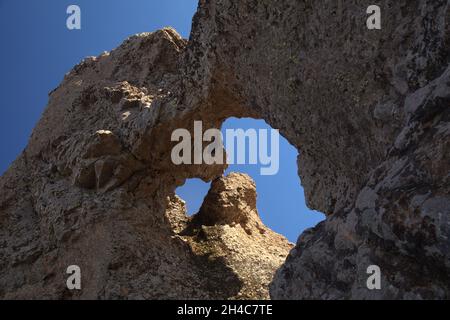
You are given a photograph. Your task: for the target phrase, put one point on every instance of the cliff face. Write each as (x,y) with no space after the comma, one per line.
(368,111)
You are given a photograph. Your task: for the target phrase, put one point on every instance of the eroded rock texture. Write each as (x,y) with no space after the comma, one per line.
(368,111)
(228,232)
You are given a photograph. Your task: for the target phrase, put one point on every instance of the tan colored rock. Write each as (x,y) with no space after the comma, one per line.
(91,190)
(230,240)
(367,110)
(231,200)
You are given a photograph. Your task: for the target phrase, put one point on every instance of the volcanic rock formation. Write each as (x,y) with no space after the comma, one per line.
(228,233)
(368,111)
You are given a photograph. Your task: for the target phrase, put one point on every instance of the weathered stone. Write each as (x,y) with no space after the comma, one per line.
(231,200)
(367,110)
(228,237)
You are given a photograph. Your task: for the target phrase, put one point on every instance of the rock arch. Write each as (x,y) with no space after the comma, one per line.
(92,185)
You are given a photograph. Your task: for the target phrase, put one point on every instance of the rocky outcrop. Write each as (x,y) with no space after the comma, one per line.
(399,221)
(95,188)
(228,233)
(367,110)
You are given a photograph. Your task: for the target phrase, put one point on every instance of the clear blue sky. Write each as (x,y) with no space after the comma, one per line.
(38,49)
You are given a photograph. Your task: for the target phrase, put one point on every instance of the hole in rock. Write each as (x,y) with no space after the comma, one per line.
(193,192)
(281,200)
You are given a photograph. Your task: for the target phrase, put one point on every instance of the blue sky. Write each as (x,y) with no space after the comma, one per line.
(38,49)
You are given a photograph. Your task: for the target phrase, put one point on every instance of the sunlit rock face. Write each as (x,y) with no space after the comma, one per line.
(368,111)
(95,188)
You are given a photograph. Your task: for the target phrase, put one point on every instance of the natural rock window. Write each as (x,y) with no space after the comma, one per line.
(281,199)
(234,228)
(193,193)
(280,202)
(368,111)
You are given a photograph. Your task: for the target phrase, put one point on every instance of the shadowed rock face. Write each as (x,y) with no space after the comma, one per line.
(368,111)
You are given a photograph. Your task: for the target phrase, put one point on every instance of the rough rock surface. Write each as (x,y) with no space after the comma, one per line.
(95,188)
(368,111)
(228,233)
